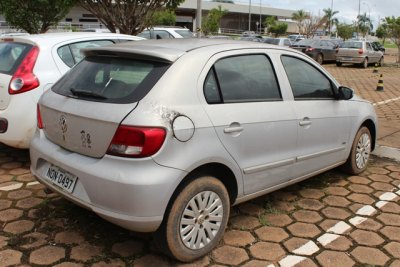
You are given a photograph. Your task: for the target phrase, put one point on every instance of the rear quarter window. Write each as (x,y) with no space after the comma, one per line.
(11,55)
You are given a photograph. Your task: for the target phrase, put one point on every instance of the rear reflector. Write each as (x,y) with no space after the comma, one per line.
(3,125)
(136,142)
(23,79)
(39,117)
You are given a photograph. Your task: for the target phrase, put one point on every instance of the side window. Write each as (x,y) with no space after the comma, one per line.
(66,56)
(286,42)
(368,46)
(246,78)
(162,35)
(76,47)
(306,81)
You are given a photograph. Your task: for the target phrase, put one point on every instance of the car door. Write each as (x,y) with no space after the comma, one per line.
(373,55)
(251,117)
(328,49)
(323,123)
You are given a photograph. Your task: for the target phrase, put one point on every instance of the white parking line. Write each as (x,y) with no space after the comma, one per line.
(386,101)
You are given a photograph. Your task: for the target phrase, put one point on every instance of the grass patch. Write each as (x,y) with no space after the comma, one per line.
(390,45)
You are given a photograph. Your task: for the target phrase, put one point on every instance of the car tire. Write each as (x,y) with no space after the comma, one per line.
(339,64)
(189,231)
(380,62)
(364,64)
(320,59)
(360,152)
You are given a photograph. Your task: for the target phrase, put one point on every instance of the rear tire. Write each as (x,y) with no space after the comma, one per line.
(196,220)
(365,63)
(360,152)
(339,64)
(380,62)
(320,59)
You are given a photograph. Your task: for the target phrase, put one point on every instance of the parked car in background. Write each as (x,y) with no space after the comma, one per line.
(29,66)
(103,30)
(278,41)
(318,49)
(296,37)
(132,135)
(357,52)
(166,33)
(252,38)
(379,46)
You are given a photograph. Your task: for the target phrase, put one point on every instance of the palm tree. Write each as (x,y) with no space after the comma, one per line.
(364,24)
(329,15)
(300,16)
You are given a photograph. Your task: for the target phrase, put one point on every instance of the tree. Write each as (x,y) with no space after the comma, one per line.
(211,23)
(300,16)
(312,24)
(329,15)
(364,24)
(382,32)
(165,17)
(278,29)
(393,25)
(129,16)
(269,22)
(345,31)
(35,16)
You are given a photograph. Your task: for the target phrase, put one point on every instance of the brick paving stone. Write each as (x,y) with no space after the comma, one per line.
(391,207)
(283,206)
(361,198)
(11,165)
(35,240)
(10,215)
(341,244)
(394,249)
(244,222)
(336,201)
(256,263)
(369,224)
(396,263)
(69,237)
(337,191)
(3,241)
(395,175)
(389,219)
(306,263)
(110,263)
(19,227)
(269,233)
(326,224)
(19,194)
(4,204)
(333,259)
(307,216)
(127,248)
(359,180)
(33,213)
(70,264)
(85,252)
(311,193)
(391,232)
(382,186)
(10,257)
(26,178)
(294,243)
(355,207)
(372,256)
(267,251)
(205,261)
(6,178)
(19,171)
(238,238)
(378,170)
(335,213)
(380,178)
(251,209)
(151,260)
(393,168)
(229,255)
(278,219)
(304,230)
(310,204)
(284,195)
(10,186)
(28,203)
(358,188)
(366,238)
(46,255)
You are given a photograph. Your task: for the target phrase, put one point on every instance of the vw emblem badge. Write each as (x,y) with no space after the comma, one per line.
(63,124)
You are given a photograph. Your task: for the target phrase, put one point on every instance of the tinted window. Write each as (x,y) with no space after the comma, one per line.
(66,56)
(286,42)
(11,54)
(110,79)
(184,33)
(76,47)
(162,35)
(242,79)
(306,81)
(352,44)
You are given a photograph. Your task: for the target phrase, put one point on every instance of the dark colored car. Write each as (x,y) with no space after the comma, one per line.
(379,46)
(320,50)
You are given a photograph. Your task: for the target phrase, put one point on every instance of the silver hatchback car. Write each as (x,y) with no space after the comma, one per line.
(362,53)
(164,136)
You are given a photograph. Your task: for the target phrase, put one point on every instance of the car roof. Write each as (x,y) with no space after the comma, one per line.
(169,50)
(54,38)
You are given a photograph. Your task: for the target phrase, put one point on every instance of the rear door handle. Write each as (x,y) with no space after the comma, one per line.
(235,129)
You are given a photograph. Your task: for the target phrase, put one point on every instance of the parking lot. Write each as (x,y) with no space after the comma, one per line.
(330,220)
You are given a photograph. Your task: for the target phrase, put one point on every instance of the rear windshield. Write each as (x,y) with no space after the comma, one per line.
(351,44)
(307,42)
(184,33)
(110,79)
(11,55)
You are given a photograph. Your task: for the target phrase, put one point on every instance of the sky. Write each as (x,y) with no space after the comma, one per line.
(348,9)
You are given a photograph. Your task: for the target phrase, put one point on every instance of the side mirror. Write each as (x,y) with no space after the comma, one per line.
(345,93)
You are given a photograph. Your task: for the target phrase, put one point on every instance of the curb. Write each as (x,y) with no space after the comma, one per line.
(387,152)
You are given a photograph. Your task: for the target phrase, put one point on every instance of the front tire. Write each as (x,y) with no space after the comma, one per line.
(196,220)
(360,152)
(320,59)
(365,63)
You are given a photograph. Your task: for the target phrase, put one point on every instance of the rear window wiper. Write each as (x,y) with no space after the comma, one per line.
(85,93)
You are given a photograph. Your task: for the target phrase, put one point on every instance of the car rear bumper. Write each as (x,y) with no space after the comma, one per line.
(133,194)
(352,60)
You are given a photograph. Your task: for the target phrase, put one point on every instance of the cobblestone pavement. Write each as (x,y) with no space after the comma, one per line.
(330,220)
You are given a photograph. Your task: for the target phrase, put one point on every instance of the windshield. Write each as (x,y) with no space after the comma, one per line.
(351,44)
(11,54)
(110,79)
(306,42)
(184,33)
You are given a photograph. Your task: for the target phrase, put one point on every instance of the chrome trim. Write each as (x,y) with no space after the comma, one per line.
(318,154)
(267,166)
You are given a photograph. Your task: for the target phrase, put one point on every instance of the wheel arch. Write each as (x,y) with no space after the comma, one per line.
(372,129)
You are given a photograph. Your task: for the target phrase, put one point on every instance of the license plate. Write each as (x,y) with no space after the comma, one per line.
(61,178)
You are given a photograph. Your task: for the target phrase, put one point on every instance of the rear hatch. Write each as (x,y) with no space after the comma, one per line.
(303,45)
(349,49)
(11,55)
(85,107)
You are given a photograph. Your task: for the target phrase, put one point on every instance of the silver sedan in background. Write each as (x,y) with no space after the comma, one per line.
(164,136)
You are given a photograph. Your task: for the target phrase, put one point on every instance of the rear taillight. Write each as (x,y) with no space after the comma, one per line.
(136,142)
(310,49)
(39,117)
(360,51)
(23,79)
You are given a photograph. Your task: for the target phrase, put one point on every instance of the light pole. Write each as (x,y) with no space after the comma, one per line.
(260,17)
(198,19)
(249,14)
(358,19)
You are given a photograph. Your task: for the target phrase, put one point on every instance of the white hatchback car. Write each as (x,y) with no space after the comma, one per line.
(164,135)
(166,33)
(31,64)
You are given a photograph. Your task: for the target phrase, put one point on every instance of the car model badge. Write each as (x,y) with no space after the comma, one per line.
(63,125)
